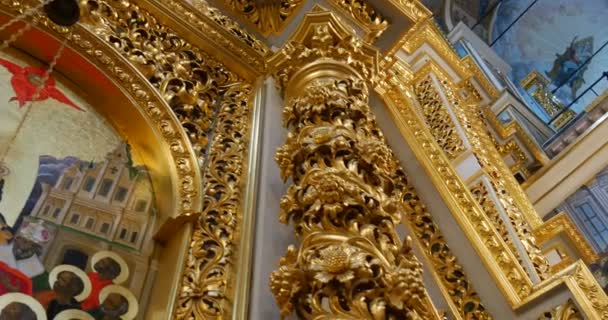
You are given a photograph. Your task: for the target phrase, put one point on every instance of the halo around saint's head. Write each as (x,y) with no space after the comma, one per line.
(29,301)
(71,314)
(133,305)
(78,272)
(124,269)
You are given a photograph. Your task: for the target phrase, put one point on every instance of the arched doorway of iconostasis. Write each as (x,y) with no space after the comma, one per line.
(85,183)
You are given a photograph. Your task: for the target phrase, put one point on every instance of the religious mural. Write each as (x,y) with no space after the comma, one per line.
(557,39)
(76,211)
(569,67)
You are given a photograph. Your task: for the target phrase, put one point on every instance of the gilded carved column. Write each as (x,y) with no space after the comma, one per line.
(350,263)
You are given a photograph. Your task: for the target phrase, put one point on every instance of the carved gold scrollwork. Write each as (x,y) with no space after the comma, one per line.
(209,273)
(190,81)
(445,264)
(350,264)
(342,206)
(480,192)
(269,17)
(438,118)
(366,15)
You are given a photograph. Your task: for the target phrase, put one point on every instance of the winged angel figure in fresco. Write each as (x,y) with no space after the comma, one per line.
(568,67)
(25,82)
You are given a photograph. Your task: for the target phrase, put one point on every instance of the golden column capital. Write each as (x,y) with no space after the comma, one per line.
(323,48)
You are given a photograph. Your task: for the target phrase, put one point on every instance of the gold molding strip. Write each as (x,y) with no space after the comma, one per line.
(514,129)
(561,223)
(450,275)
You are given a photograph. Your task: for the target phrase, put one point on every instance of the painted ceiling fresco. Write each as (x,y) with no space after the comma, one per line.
(556,38)
(76,211)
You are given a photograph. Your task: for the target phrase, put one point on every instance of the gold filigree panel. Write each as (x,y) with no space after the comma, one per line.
(210,270)
(472,219)
(189,80)
(445,264)
(438,118)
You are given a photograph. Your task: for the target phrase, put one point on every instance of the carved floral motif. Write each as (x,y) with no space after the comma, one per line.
(351,263)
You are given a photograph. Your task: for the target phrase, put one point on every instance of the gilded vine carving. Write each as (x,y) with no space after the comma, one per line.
(350,264)
(267,16)
(445,263)
(206,284)
(480,192)
(343,206)
(226,23)
(188,79)
(438,118)
(591,290)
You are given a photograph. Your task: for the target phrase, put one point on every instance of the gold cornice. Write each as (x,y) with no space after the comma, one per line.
(428,33)
(481,79)
(413,9)
(515,129)
(561,223)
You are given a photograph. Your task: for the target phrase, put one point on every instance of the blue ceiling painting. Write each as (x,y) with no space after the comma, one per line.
(562,39)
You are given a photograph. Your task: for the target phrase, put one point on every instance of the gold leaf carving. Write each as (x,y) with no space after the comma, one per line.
(209,273)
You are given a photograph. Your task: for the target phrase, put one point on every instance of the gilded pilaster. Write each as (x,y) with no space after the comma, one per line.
(502,181)
(489,160)
(344,204)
